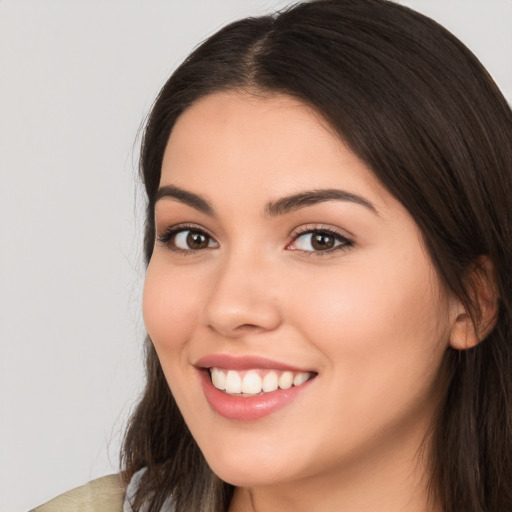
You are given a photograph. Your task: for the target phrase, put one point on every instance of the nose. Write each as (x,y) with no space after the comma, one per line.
(242,300)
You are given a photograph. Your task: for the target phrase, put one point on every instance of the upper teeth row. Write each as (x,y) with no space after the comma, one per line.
(252,383)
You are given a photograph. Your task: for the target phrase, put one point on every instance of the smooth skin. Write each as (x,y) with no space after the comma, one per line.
(342,287)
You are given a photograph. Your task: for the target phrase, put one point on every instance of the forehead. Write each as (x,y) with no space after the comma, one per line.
(262,143)
(256,121)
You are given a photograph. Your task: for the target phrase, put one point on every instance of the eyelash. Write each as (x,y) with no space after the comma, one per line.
(344,243)
(168,236)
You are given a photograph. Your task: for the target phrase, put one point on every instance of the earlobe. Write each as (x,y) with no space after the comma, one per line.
(463,334)
(470,329)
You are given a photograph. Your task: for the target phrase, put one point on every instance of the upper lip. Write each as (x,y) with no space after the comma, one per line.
(244,363)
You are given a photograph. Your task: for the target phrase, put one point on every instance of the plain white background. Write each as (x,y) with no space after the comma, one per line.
(76,80)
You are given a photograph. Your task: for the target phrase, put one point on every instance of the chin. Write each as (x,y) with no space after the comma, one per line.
(246,477)
(246,471)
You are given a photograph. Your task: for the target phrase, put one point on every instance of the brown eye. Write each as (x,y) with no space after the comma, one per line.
(189,240)
(196,240)
(322,241)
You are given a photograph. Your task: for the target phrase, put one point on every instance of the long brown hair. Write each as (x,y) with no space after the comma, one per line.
(416,105)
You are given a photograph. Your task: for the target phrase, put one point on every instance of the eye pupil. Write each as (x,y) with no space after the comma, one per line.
(197,240)
(322,241)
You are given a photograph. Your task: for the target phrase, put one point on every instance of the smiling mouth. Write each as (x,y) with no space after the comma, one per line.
(256,381)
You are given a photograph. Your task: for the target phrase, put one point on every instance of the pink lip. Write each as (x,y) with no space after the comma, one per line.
(243,363)
(250,408)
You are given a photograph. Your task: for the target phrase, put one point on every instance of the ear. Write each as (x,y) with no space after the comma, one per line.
(470,329)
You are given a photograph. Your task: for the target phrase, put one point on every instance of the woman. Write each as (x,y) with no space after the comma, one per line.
(328,295)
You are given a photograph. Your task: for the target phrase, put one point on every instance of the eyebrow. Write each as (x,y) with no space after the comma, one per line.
(183,196)
(273,208)
(309,198)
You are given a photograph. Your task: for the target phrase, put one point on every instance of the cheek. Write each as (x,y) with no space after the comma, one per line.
(170,307)
(363,317)
(383,346)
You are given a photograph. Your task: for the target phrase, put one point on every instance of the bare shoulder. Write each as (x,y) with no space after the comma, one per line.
(104,494)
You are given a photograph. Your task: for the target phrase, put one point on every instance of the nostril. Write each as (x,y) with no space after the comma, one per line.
(247,327)
(237,330)
(236,308)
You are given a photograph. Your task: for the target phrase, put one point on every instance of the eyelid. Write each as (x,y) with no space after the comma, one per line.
(311,226)
(165,237)
(347,242)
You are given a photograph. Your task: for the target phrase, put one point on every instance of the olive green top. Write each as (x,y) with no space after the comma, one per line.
(105,494)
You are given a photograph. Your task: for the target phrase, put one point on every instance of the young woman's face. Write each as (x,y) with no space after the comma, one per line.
(280,258)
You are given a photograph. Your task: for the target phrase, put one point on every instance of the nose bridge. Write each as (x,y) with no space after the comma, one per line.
(242,297)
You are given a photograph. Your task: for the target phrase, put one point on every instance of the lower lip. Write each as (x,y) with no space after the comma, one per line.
(248,408)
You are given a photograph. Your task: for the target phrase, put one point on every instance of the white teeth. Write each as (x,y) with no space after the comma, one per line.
(300,378)
(251,383)
(270,382)
(218,378)
(286,380)
(233,382)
